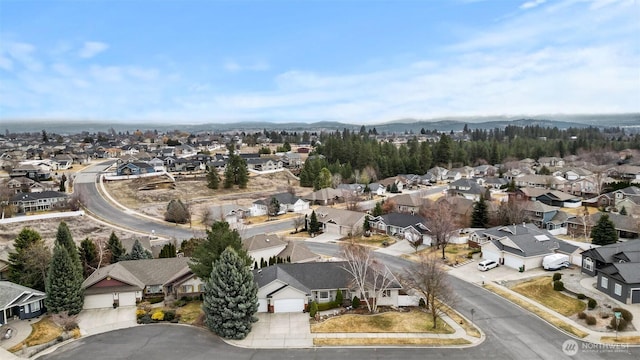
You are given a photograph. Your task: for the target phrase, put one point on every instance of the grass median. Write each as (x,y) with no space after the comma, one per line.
(388,341)
(415,321)
(552,319)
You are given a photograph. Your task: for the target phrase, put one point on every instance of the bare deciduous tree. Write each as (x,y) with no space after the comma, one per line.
(206,216)
(427,277)
(510,212)
(441,223)
(351,200)
(298,222)
(370,277)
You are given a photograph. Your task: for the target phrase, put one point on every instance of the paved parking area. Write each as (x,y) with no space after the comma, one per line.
(287,330)
(100,320)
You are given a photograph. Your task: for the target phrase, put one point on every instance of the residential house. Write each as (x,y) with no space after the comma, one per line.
(617,268)
(549,197)
(262,247)
(584,187)
(625,172)
(551,161)
(408,203)
(4,262)
(540,181)
(389,182)
(264,164)
(412,228)
(298,252)
(376,189)
(467,188)
(134,168)
(326,196)
(518,246)
(338,221)
(627,227)
(439,173)
(574,173)
(35,172)
(21,302)
(288,203)
(485,171)
(465,172)
(126,282)
(546,217)
(495,183)
(286,288)
(611,199)
(39,201)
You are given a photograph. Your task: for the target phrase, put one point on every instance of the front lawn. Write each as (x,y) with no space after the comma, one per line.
(190,312)
(414,321)
(541,290)
(42,332)
(388,341)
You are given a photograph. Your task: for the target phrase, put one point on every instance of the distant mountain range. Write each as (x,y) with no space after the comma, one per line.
(631,121)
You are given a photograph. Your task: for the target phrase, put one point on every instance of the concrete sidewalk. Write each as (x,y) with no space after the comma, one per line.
(21,329)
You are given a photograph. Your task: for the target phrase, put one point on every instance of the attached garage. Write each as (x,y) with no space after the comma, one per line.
(127,298)
(513,262)
(98,301)
(635,296)
(288,305)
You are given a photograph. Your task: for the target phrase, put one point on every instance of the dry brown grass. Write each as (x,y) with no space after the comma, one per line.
(190,312)
(388,341)
(375,240)
(42,332)
(630,340)
(541,290)
(553,320)
(468,327)
(414,321)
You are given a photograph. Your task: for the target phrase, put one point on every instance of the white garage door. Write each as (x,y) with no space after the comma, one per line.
(98,301)
(288,305)
(262,305)
(127,299)
(490,255)
(513,262)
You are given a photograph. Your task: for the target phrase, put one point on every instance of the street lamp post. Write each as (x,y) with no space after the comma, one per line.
(618,315)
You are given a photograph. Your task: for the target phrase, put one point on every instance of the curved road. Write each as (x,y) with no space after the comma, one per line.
(86,185)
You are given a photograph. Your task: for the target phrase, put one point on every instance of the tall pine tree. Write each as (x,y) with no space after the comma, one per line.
(230,297)
(219,237)
(64,283)
(480,215)
(19,270)
(314,225)
(64,238)
(88,256)
(213,180)
(138,252)
(604,231)
(115,248)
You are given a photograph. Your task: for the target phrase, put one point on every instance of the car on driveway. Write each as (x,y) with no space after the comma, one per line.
(487,265)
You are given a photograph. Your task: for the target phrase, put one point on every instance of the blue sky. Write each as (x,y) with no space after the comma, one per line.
(361,61)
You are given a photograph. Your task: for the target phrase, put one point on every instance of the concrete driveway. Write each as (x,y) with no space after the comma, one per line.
(470,273)
(96,321)
(286,330)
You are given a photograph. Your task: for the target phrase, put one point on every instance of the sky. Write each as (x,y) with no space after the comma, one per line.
(196,61)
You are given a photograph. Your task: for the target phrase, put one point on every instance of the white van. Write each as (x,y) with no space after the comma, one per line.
(555,262)
(487,265)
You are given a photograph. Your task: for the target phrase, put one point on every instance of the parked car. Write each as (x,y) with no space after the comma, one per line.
(487,265)
(555,262)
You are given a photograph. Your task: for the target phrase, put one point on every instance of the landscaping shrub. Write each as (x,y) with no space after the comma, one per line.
(313,309)
(621,325)
(625,314)
(557,276)
(591,320)
(146,319)
(140,313)
(558,285)
(592,303)
(158,315)
(582,315)
(327,306)
(155,300)
(581,296)
(339,297)
(179,303)
(169,315)
(355,303)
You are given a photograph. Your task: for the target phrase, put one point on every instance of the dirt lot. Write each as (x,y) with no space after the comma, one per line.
(197,195)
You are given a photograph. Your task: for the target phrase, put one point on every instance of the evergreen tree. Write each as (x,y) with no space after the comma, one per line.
(444,151)
(64,283)
(366,226)
(230,298)
(22,270)
(115,248)
(63,181)
(623,211)
(168,251)
(480,215)
(213,180)
(88,257)
(236,172)
(64,238)
(138,252)
(377,210)
(314,225)
(274,207)
(604,231)
(323,180)
(512,186)
(219,237)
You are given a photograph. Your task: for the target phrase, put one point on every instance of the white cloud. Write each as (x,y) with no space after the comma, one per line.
(23,53)
(91,49)
(234,66)
(531,4)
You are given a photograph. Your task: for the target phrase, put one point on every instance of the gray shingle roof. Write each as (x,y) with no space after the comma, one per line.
(524,240)
(262,241)
(140,273)
(15,295)
(627,272)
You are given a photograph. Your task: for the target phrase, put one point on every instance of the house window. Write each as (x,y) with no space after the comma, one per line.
(588,264)
(35,306)
(187,288)
(323,295)
(604,282)
(386,293)
(199,287)
(617,289)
